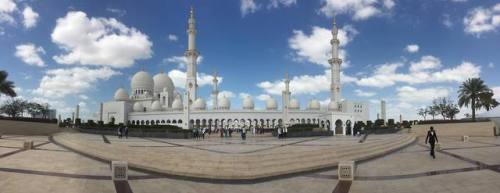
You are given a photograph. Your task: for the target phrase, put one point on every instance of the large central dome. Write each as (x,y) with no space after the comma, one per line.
(142,81)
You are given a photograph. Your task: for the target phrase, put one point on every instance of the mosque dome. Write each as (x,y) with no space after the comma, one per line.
(138,107)
(271,104)
(224,103)
(142,81)
(333,105)
(155,106)
(121,95)
(294,104)
(314,105)
(177,104)
(199,104)
(248,103)
(161,82)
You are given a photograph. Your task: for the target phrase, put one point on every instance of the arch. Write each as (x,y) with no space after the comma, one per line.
(174,121)
(147,122)
(308,121)
(338,126)
(133,122)
(142,122)
(179,121)
(163,121)
(168,121)
(303,121)
(348,127)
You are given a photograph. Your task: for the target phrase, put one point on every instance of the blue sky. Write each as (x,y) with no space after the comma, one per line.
(404,51)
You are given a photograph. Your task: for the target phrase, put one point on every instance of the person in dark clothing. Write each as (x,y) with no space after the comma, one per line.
(126,132)
(120,131)
(432,139)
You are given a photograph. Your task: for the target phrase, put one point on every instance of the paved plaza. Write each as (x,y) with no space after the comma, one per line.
(459,167)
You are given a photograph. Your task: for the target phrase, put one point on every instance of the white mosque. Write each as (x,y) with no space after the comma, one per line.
(154,101)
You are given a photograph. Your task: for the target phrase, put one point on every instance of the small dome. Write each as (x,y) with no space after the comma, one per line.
(142,81)
(294,104)
(314,105)
(333,106)
(162,82)
(199,104)
(224,103)
(121,95)
(177,104)
(248,103)
(138,107)
(271,104)
(155,106)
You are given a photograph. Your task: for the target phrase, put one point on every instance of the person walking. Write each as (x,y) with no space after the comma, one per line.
(279,132)
(119,132)
(243,133)
(126,132)
(432,139)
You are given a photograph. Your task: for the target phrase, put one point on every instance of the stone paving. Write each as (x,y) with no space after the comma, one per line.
(52,168)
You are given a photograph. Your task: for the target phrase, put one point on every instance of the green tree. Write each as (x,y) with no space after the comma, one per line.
(423,112)
(13,107)
(474,93)
(6,87)
(452,110)
(433,111)
(33,108)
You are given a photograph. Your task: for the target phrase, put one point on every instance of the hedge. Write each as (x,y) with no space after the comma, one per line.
(28,119)
(451,121)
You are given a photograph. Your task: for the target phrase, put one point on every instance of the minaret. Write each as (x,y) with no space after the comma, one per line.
(191,56)
(186,124)
(215,92)
(335,62)
(286,100)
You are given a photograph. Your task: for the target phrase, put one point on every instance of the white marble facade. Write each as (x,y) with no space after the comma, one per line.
(154,100)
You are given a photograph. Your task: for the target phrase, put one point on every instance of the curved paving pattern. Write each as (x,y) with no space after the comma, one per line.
(248,161)
(460,167)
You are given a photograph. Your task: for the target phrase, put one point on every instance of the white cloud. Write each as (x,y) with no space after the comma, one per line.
(316,47)
(362,93)
(248,6)
(412,48)
(61,82)
(226,93)
(496,92)
(243,95)
(29,54)
(447,21)
(304,84)
(480,20)
(179,78)
(277,3)
(360,9)
(426,63)
(83,97)
(181,61)
(389,4)
(119,12)
(386,75)
(408,94)
(30,17)
(7,7)
(172,37)
(263,97)
(98,41)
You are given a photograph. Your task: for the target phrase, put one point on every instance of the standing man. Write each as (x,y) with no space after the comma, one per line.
(432,139)
(126,132)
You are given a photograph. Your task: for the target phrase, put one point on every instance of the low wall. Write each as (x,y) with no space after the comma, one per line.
(27,128)
(456,129)
(170,135)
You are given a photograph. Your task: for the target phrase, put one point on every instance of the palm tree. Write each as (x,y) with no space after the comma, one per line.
(6,87)
(475,93)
